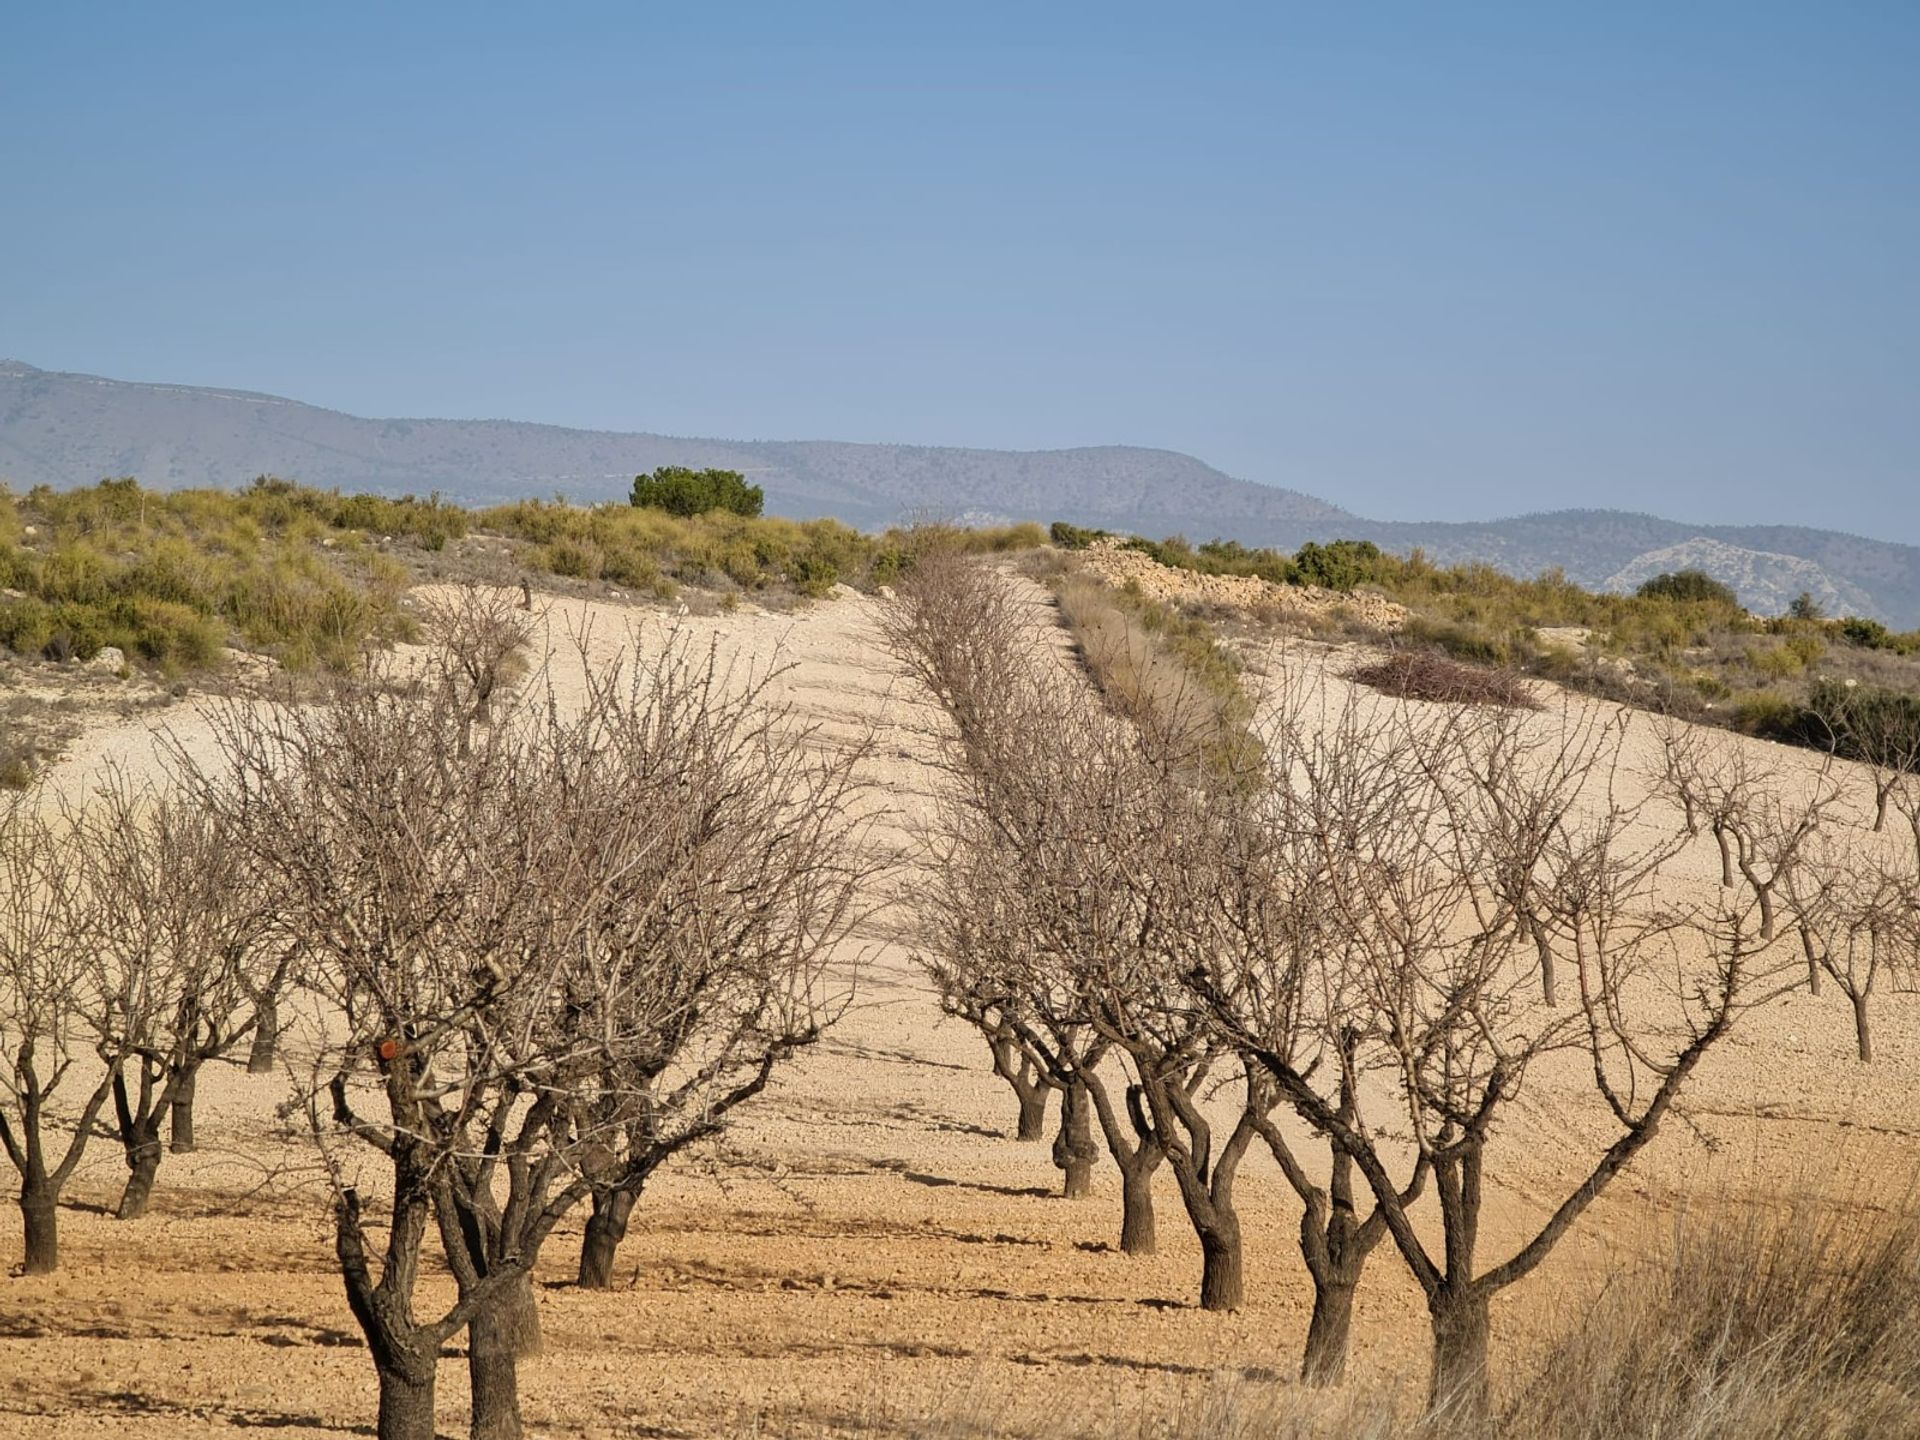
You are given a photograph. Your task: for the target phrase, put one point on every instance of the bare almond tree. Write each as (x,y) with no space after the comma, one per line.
(1027,1071)
(1270,951)
(1878,728)
(707,957)
(481,635)
(49,996)
(404,864)
(1761,817)
(968,933)
(1438,957)
(558,946)
(170,955)
(1855,916)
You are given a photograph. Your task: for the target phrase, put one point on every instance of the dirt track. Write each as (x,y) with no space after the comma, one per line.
(875,1250)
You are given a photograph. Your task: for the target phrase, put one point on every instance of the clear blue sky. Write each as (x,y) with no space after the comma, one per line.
(1429,260)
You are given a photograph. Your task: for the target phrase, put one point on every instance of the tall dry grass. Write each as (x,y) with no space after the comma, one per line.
(1163,671)
(1794,1321)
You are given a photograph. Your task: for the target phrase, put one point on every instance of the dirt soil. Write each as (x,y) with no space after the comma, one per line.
(871,1250)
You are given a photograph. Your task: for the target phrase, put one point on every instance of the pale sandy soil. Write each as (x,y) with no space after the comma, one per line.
(873,1251)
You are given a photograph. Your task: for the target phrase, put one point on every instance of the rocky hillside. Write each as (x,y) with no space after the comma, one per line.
(1767,582)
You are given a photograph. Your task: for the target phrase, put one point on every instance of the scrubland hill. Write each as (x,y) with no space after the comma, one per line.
(65,429)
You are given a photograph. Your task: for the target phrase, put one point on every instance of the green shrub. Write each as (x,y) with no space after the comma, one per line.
(25,626)
(1775,661)
(814,574)
(173,635)
(1230,557)
(1809,650)
(575,559)
(1687,585)
(430,522)
(1770,716)
(1463,641)
(1340,564)
(684,492)
(76,631)
(1867,634)
(1873,723)
(1805,607)
(1073,537)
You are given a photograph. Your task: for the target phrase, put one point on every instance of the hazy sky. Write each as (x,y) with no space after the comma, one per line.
(1427,261)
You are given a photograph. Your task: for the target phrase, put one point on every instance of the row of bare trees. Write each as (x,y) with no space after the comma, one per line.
(135,948)
(514,960)
(1359,950)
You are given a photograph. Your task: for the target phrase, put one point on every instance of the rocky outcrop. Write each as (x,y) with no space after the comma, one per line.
(1767,583)
(1113,562)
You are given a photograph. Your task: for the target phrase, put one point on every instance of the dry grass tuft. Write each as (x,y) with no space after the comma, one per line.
(1803,1321)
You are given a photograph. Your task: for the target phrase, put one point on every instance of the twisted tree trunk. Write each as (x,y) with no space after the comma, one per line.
(143,1164)
(1222,1283)
(606,1228)
(1461,1328)
(406,1399)
(493,1370)
(181,1108)
(1138,1233)
(266,1036)
(1330,1330)
(40,1218)
(1073,1148)
(1033,1115)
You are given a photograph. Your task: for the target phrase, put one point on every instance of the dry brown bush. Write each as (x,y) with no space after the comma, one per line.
(1429,675)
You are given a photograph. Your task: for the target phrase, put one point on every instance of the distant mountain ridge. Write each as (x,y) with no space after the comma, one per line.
(67,429)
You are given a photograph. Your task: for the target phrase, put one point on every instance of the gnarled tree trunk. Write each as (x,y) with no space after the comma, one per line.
(180,1108)
(1029,1083)
(143,1164)
(1073,1148)
(1222,1282)
(1330,1330)
(40,1217)
(606,1228)
(1461,1328)
(1206,1183)
(140,1139)
(406,1399)
(1033,1114)
(1138,1234)
(493,1370)
(265,1049)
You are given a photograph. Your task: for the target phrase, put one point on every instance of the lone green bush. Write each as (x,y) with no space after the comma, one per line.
(1340,564)
(1687,585)
(681,491)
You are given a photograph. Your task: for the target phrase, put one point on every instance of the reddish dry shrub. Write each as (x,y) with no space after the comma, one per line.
(1429,675)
